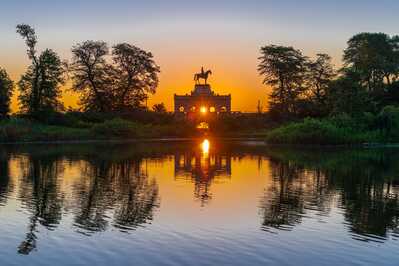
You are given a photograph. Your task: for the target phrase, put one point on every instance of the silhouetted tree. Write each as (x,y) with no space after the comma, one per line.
(92,76)
(391,95)
(321,73)
(125,84)
(346,95)
(40,86)
(284,69)
(159,108)
(136,75)
(6,90)
(375,57)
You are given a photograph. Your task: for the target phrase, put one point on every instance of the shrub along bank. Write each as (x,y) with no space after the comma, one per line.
(341,129)
(25,130)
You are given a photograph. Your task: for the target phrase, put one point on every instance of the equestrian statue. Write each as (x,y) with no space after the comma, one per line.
(202,75)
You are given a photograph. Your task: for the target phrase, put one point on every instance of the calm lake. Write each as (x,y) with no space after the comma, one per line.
(197,203)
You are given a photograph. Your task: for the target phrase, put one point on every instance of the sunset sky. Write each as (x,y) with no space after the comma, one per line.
(222,35)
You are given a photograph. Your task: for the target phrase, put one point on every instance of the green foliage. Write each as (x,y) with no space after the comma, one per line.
(91,75)
(302,87)
(249,124)
(116,127)
(284,69)
(341,129)
(48,76)
(346,95)
(319,77)
(20,130)
(40,85)
(388,120)
(159,108)
(73,126)
(299,84)
(6,90)
(136,76)
(14,130)
(375,57)
(120,128)
(390,96)
(105,87)
(322,132)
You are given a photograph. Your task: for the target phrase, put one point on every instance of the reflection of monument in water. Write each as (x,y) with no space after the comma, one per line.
(202,168)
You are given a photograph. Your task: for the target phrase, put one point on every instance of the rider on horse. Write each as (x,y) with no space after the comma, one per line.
(203,75)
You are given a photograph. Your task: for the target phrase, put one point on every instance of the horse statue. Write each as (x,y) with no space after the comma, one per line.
(202,75)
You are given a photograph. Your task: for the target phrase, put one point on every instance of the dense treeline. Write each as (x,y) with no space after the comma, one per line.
(106,82)
(113,86)
(357,103)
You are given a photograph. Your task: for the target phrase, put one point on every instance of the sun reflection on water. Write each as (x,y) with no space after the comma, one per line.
(205,145)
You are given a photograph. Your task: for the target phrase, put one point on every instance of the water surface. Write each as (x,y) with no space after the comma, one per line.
(193,203)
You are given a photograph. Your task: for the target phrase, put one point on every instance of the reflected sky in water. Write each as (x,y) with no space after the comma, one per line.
(197,203)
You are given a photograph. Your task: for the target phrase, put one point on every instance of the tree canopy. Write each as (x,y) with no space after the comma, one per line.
(136,75)
(312,87)
(91,75)
(122,84)
(375,57)
(283,68)
(6,90)
(40,85)
(159,108)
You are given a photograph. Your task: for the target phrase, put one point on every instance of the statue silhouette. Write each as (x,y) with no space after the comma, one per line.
(202,75)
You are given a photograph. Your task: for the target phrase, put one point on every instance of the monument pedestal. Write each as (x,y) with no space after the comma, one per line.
(202,101)
(202,89)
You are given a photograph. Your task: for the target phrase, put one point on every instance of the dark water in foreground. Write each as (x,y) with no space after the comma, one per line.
(182,204)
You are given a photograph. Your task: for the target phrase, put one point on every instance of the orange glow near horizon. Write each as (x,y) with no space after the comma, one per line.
(234,69)
(166,90)
(240,80)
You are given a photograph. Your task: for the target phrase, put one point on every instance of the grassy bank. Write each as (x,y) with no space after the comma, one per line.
(138,124)
(340,130)
(25,130)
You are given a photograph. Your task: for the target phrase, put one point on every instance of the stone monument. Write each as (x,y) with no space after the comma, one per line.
(202,100)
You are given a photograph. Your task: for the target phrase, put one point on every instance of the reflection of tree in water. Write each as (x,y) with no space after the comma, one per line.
(94,196)
(6,186)
(292,192)
(120,187)
(369,195)
(41,196)
(137,198)
(112,189)
(202,169)
(365,183)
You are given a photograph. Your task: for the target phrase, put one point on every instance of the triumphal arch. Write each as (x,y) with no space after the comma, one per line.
(202,100)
